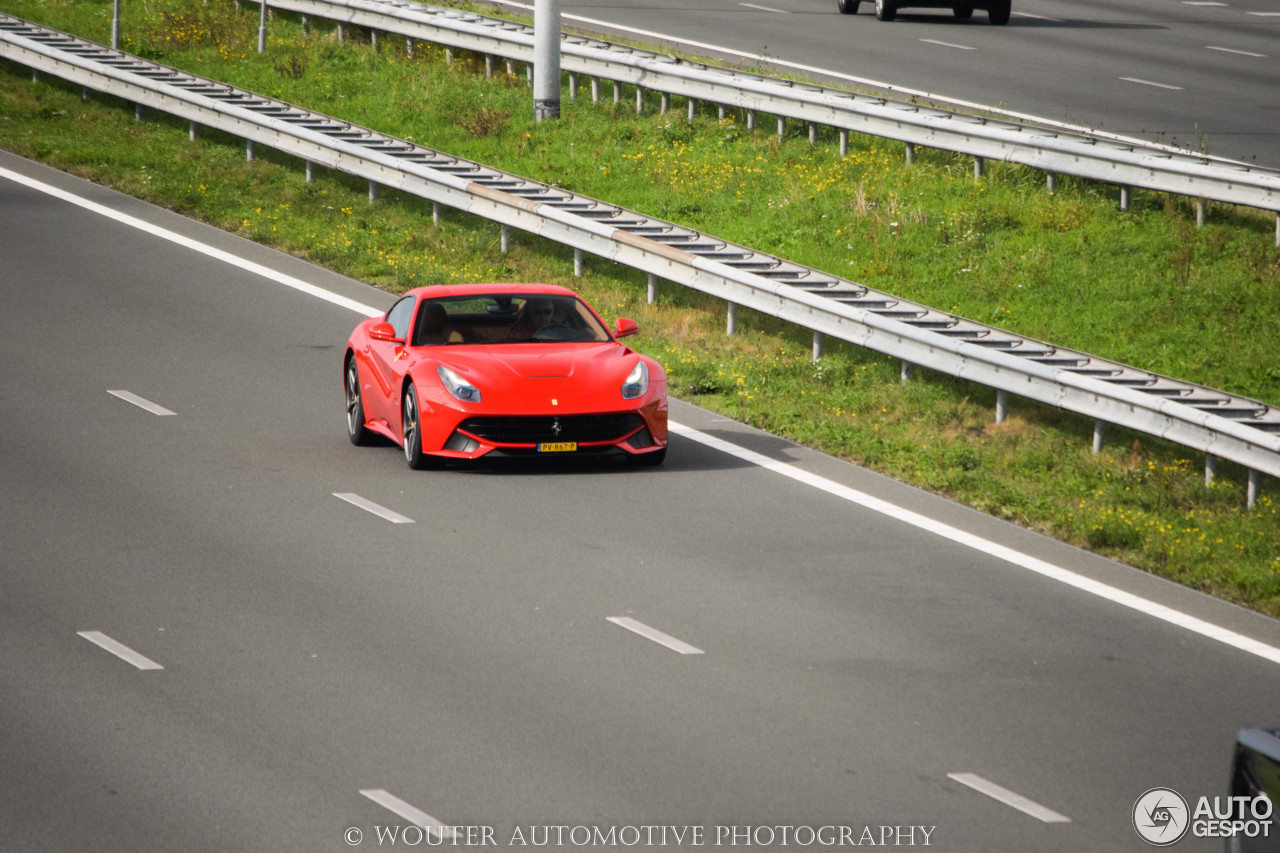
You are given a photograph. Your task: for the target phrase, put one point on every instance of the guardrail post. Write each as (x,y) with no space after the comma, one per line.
(488,66)
(342,33)
(639,100)
(911,154)
(1051,182)
(408,46)
(262,26)
(1125,198)
(504,242)
(731,325)
(693,108)
(1002,406)
(652,291)
(1210,469)
(818,341)
(248,150)
(1255,484)
(1278,229)
(577,263)
(306,22)
(373,193)
(511,68)
(35,78)
(905,373)
(844,144)
(373,40)
(979,164)
(595,90)
(1099,435)
(115,25)
(722,111)
(664,103)
(813,133)
(1200,212)
(751,120)
(573,86)
(435,213)
(137,112)
(84,93)
(193,131)
(617,92)
(311,171)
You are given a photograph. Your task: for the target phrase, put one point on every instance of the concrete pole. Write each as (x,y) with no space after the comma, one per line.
(546,59)
(115,25)
(262,26)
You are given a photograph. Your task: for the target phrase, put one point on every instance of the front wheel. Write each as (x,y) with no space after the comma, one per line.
(848,7)
(356,431)
(886,10)
(998,12)
(412,431)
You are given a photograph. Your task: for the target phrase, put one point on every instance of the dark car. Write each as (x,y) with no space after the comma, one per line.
(997,10)
(1255,774)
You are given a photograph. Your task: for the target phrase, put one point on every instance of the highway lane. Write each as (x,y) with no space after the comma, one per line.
(1209,71)
(465,663)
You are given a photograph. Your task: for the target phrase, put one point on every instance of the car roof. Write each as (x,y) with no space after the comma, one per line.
(436,291)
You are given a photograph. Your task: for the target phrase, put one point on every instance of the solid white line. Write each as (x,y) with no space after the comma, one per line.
(764,8)
(1149,83)
(417,817)
(1037,17)
(949,44)
(654,634)
(119,650)
(1265,14)
(141,403)
(194,245)
(1202,3)
(1238,52)
(985,546)
(370,506)
(1009,798)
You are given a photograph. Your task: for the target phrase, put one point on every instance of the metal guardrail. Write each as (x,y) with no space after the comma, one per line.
(1217,423)
(1124,163)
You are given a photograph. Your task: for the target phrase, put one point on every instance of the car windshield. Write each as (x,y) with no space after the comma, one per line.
(505,318)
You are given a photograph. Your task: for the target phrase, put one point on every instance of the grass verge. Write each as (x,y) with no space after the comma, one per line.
(1143,286)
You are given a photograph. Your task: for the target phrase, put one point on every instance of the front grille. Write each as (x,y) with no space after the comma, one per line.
(536,429)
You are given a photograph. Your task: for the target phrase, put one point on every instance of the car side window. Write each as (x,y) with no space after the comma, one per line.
(399,316)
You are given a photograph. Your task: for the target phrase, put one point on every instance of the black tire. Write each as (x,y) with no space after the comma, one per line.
(412,434)
(649,460)
(964,11)
(998,12)
(360,436)
(886,10)
(848,7)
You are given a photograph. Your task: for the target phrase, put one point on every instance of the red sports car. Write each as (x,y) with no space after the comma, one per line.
(461,371)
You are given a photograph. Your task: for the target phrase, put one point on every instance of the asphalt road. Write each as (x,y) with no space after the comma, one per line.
(1201,75)
(324,670)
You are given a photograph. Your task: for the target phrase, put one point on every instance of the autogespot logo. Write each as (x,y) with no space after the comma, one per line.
(1161,817)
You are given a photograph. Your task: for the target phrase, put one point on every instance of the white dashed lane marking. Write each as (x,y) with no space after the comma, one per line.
(120,650)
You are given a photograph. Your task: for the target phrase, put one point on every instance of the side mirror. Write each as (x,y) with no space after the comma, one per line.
(625,327)
(384,331)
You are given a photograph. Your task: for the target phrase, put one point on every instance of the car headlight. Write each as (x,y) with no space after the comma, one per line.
(457,386)
(637,382)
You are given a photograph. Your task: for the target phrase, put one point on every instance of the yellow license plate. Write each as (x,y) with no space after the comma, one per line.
(557,447)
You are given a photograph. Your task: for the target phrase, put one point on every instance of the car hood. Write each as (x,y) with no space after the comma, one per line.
(578,376)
